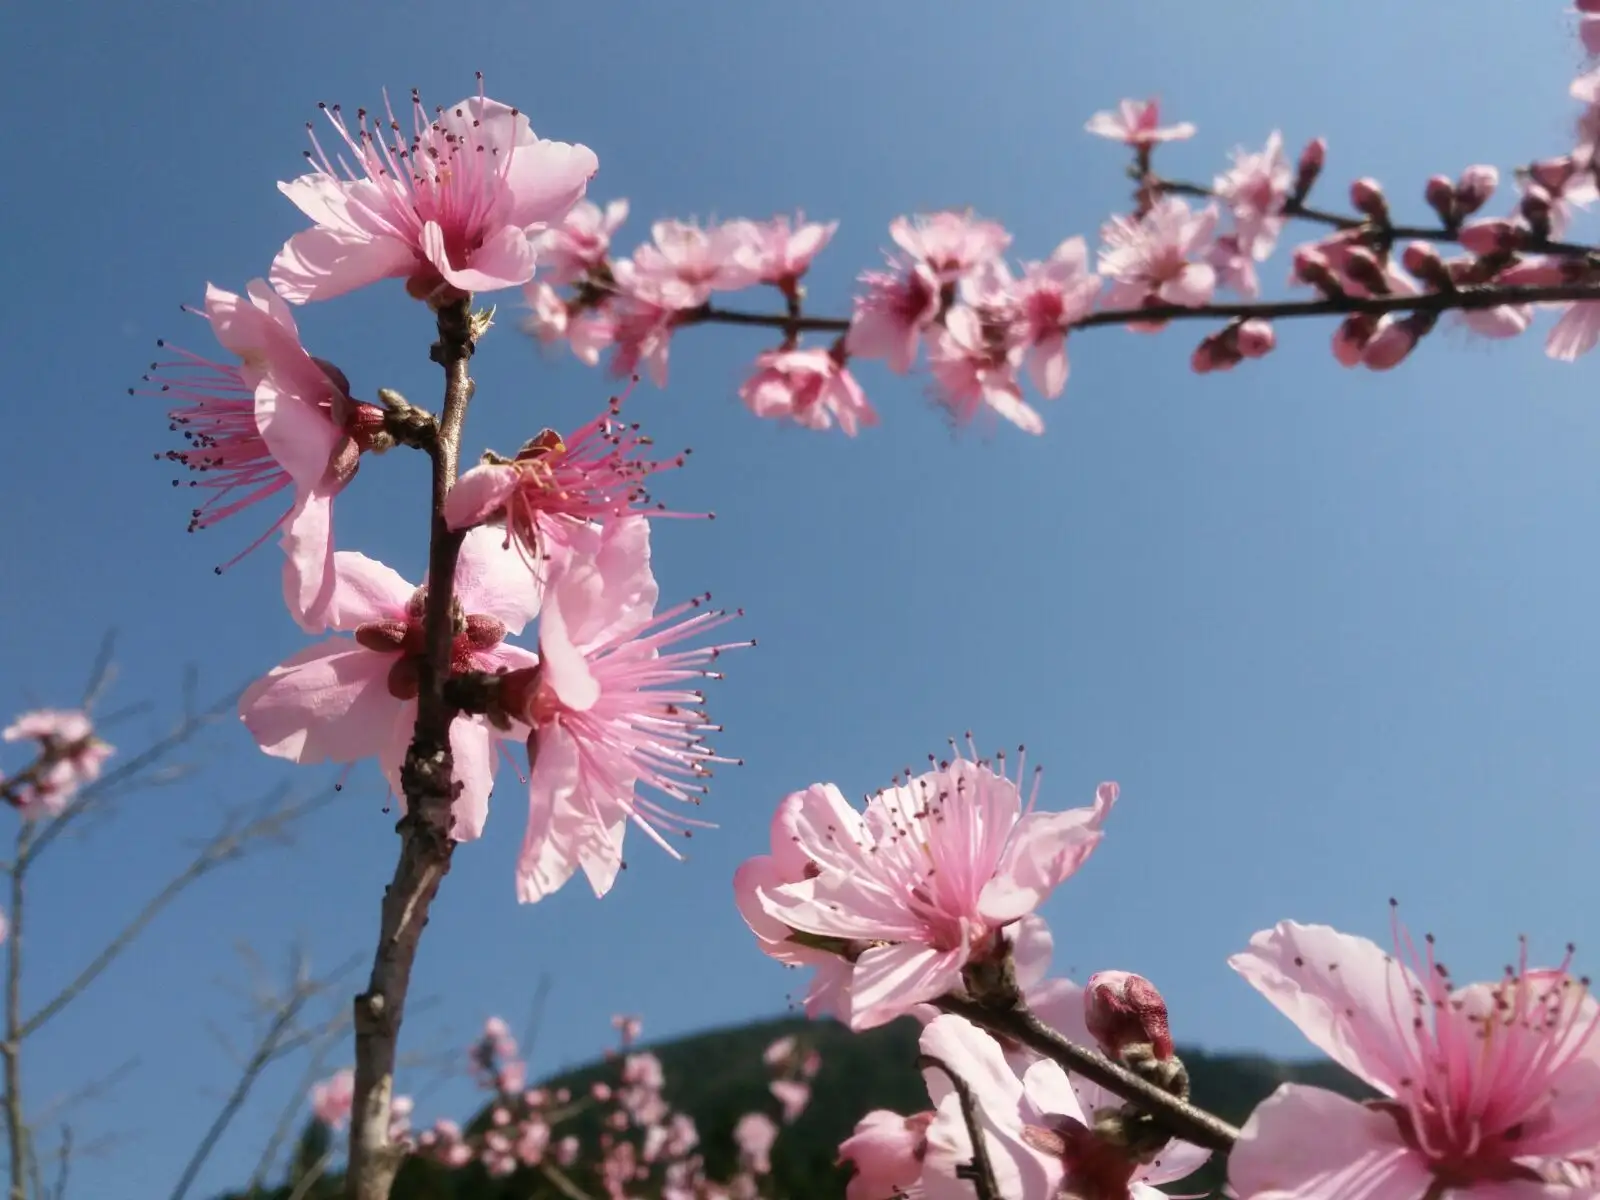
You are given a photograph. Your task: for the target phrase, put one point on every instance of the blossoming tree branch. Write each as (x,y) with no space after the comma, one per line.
(923,900)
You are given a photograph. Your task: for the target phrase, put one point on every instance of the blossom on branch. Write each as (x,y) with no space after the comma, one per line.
(1137,123)
(279,419)
(349,698)
(889,319)
(950,244)
(609,711)
(570,250)
(453,205)
(1488,1087)
(1158,258)
(885,1154)
(333,1098)
(70,757)
(811,388)
(922,882)
(781,252)
(1255,190)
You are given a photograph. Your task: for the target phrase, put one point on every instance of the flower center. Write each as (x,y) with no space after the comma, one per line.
(405,637)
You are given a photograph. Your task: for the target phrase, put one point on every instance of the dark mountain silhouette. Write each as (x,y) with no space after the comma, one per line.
(717,1077)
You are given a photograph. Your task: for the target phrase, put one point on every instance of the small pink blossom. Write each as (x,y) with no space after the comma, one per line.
(793,1095)
(950,244)
(889,319)
(1481,1083)
(557,486)
(779,1052)
(641,317)
(280,419)
(452,206)
(811,388)
(973,357)
(349,698)
(610,711)
(1255,191)
(1035,1128)
(1137,123)
(885,1154)
(567,252)
(332,1099)
(70,757)
(781,252)
(1159,258)
(1049,298)
(755,1133)
(925,879)
(700,260)
(547,318)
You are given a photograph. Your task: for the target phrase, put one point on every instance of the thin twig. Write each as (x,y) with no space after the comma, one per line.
(980,1171)
(329,1036)
(563,1182)
(1177,1117)
(16,1129)
(306,1182)
(426,778)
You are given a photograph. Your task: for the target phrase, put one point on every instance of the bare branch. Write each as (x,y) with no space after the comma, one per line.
(980,1171)
(327,1037)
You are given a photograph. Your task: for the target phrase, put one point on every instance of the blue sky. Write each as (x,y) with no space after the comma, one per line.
(1332,632)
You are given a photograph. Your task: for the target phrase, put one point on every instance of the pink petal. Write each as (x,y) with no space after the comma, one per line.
(975,1057)
(1031,947)
(298,430)
(492,578)
(565,669)
(544,865)
(1044,849)
(328,703)
(547,178)
(605,588)
(365,590)
(309,579)
(1177,1160)
(1010,405)
(1575,333)
(1047,365)
(1342,991)
(889,980)
(754,876)
(473,761)
(479,494)
(504,260)
(326,201)
(321,263)
(1310,1144)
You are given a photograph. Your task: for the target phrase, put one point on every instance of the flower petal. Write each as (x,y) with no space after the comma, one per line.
(1045,848)
(479,494)
(1310,1144)
(321,263)
(889,980)
(365,590)
(328,703)
(492,578)
(309,578)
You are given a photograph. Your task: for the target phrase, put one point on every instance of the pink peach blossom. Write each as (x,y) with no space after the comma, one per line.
(1159,257)
(898,306)
(332,1098)
(811,388)
(950,243)
(781,252)
(641,317)
(547,317)
(1483,1083)
(755,1134)
(1035,1129)
(973,358)
(609,711)
(779,1052)
(1050,297)
(924,880)
(349,698)
(1137,123)
(568,251)
(280,419)
(1255,191)
(793,1095)
(453,206)
(701,260)
(557,486)
(70,758)
(885,1154)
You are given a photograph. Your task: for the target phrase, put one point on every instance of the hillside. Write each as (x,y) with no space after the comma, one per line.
(718,1076)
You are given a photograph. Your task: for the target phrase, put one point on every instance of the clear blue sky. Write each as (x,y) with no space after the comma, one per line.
(1333,632)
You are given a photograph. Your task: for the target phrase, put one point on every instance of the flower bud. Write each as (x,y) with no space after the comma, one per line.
(1366,196)
(1493,236)
(1122,1010)
(1216,352)
(1535,208)
(1362,267)
(1309,167)
(1312,266)
(1396,340)
(1256,338)
(1423,261)
(1351,337)
(1440,193)
(1473,189)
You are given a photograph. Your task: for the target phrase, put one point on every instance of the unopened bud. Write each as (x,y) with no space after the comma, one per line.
(1423,261)
(1493,236)
(1366,196)
(1256,338)
(1216,352)
(1362,267)
(1553,174)
(1122,1010)
(1476,185)
(1309,167)
(1351,337)
(1535,209)
(1440,194)
(1312,266)
(1396,340)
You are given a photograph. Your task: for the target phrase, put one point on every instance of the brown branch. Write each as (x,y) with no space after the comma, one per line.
(315,1069)
(1177,1117)
(980,1171)
(563,1182)
(426,778)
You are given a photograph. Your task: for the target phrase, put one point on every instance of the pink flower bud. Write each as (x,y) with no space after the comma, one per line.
(1123,1009)
(1535,208)
(1440,194)
(1592,7)
(1312,266)
(1363,267)
(1396,340)
(1366,196)
(1216,352)
(1423,261)
(1309,167)
(1256,338)
(1493,236)
(1351,337)
(1473,189)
